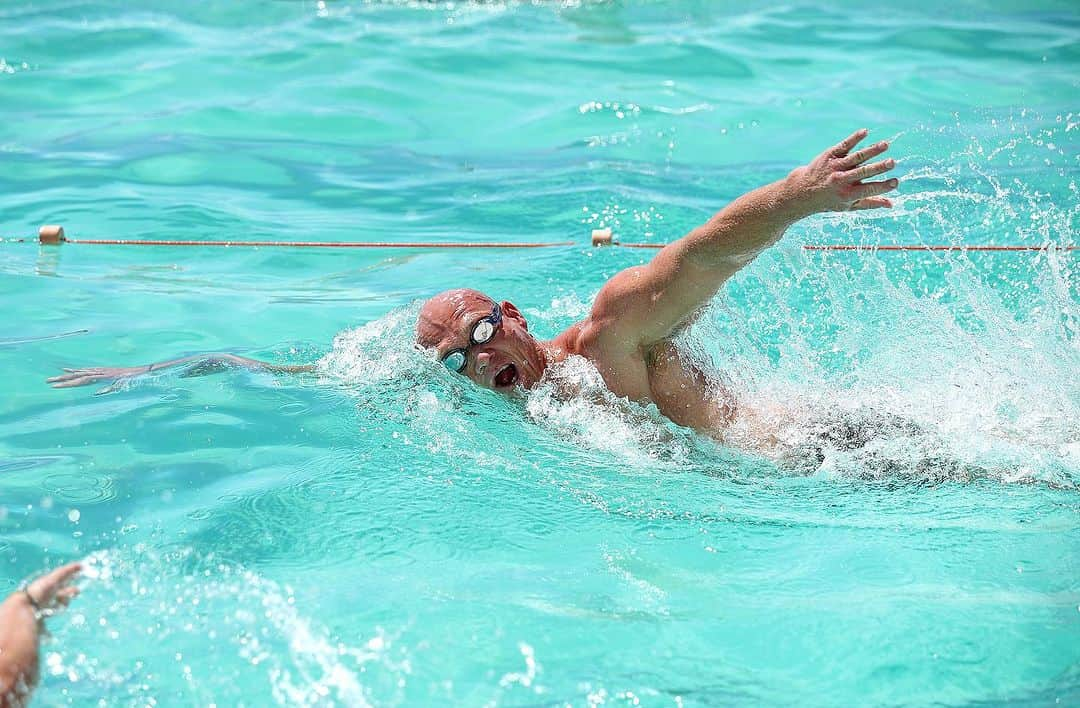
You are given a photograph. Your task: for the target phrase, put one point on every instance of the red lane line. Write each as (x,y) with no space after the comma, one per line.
(936,248)
(846,247)
(559,244)
(313,244)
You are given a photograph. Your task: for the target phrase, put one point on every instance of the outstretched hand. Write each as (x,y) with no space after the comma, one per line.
(836,179)
(82,377)
(54,589)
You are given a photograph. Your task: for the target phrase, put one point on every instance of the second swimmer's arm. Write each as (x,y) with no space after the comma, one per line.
(199,365)
(213,363)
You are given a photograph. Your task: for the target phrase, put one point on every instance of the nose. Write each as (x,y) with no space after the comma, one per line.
(482,361)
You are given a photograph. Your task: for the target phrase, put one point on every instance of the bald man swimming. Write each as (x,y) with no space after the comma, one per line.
(628,333)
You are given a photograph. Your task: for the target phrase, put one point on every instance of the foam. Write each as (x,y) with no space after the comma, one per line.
(179,599)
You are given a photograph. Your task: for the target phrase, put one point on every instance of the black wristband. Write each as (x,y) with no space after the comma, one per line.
(32,601)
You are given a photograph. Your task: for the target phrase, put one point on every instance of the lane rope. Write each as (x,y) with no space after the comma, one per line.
(53,235)
(925,247)
(603,237)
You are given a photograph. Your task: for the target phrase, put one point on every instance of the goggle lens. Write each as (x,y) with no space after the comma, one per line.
(483,332)
(455,360)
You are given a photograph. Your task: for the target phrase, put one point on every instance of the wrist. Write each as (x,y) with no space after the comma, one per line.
(795,198)
(24,598)
(18,605)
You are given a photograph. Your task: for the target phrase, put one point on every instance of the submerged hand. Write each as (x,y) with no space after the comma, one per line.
(82,377)
(835,180)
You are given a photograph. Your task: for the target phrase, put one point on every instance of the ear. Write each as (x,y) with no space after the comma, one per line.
(513,313)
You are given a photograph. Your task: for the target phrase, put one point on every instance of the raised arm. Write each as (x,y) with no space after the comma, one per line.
(650,303)
(199,365)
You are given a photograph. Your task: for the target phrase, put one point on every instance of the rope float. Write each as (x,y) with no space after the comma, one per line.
(53,235)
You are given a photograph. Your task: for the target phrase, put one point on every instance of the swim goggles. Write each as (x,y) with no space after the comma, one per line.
(482,332)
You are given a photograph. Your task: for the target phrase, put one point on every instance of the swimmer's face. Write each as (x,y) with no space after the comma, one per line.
(510,358)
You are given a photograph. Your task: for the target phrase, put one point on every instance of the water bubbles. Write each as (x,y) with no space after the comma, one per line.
(73,516)
(528,677)
(613,108)
(54,663)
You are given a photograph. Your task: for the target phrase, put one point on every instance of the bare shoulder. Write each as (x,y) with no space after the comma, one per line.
(617,304)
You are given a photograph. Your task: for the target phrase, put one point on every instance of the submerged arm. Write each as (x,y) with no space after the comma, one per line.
(200,365)
(648,304)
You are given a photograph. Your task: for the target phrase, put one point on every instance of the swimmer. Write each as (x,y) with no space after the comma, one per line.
(22,621)
(628,335)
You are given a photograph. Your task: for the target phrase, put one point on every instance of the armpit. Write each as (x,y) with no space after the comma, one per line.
(685,394)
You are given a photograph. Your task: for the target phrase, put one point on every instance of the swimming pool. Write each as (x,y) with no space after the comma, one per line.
(383,533)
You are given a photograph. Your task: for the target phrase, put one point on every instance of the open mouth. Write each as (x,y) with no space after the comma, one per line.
(507,376)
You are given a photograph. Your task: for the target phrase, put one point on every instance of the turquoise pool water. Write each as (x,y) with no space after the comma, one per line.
(381,533)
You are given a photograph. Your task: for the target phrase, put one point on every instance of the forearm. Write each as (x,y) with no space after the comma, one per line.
(202,364)
(197,365)
(748,225)
(19,636)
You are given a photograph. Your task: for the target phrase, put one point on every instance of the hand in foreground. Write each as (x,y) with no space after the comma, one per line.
(21,627)
(54,589)
(82,377)
(835,180)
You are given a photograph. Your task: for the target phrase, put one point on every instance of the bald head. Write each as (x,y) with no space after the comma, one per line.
(439,316)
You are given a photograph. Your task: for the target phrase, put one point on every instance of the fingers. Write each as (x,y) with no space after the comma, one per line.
(866,171)
(50,586)
(68,374)
(849,142)
(73,382)
(66,595)
(75,377)
(59,576)
(857,158)
(872,203)
(872,189)
(66,572)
